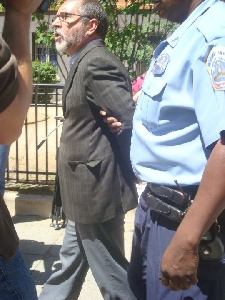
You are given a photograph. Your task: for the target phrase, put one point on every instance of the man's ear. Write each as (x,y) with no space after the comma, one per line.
(92,26)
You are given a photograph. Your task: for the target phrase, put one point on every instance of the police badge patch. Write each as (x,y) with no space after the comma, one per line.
(216,67)
(161,64)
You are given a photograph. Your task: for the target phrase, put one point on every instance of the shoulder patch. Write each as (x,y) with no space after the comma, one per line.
(215,65)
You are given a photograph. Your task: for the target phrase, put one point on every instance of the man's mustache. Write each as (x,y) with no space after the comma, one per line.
(58,31)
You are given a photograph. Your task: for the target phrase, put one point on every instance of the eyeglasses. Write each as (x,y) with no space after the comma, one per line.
(64,16)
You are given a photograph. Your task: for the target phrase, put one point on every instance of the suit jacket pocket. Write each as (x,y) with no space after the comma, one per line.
(93,166)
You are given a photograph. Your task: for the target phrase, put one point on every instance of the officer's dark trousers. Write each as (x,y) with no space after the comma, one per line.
(152,235)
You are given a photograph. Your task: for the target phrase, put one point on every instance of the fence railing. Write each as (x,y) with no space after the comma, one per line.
(32,158)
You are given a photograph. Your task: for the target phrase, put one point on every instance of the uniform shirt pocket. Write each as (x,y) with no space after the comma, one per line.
(151,97)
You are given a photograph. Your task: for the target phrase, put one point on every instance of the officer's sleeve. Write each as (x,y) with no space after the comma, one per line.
(8,76)
(215,65)
(209,93)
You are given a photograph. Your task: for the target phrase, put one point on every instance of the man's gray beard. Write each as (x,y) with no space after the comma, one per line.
(65,42)
(68,41)
(61,47)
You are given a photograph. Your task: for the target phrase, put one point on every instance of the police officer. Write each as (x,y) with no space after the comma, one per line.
(177,129)
(178,121)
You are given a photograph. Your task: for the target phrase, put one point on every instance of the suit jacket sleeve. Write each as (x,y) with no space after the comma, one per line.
(109,88)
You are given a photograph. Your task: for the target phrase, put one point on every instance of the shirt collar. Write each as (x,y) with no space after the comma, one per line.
(74,57)
(175,37)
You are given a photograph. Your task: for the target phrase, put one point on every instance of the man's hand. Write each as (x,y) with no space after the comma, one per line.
(113,124)
(179,266)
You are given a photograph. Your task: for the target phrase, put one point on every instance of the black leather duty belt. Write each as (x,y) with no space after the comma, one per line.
(169,201)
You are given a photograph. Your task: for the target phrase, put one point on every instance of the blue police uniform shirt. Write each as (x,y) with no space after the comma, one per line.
(181,110)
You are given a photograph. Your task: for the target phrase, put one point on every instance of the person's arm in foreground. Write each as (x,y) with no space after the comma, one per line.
(16,34)
(180,260)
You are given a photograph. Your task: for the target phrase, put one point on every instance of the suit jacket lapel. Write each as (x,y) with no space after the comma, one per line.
(73,69)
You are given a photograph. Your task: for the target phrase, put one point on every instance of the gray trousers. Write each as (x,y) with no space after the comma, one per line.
(98,246)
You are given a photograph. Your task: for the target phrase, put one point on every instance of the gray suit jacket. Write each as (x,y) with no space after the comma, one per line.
(95,174)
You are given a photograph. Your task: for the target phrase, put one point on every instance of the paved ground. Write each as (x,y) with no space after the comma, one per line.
(40,245)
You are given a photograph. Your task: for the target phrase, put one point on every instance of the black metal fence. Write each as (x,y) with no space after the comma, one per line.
(32,156)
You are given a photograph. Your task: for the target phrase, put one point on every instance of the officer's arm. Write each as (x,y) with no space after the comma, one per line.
(180,260)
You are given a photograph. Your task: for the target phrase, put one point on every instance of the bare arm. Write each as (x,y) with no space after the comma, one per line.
(16,34)
(180,260)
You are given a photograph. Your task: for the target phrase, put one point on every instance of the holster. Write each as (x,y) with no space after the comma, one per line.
(211,246)
(174,204)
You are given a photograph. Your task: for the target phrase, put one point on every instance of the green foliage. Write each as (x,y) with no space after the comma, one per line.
(44,36)
(43,33)
(55,4)
(44,72)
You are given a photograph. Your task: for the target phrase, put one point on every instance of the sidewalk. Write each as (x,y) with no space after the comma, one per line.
(40,243)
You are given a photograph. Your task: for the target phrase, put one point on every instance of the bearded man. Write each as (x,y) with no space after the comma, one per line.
(95,175)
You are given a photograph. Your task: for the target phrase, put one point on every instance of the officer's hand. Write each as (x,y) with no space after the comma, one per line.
(111,122)
(179,266)
(25,7)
